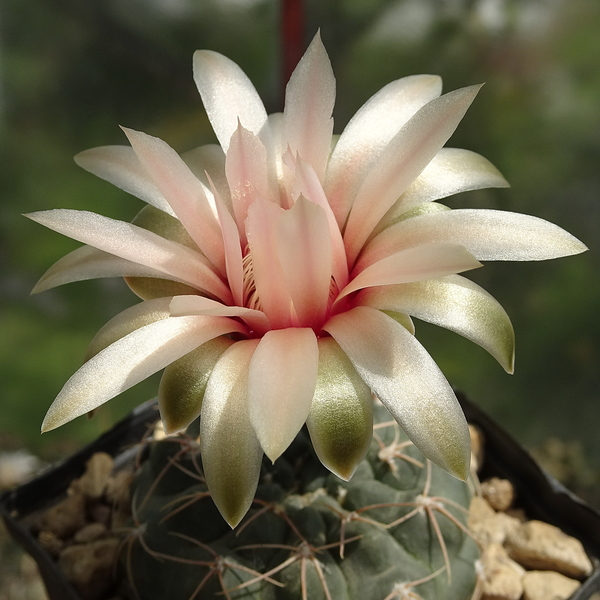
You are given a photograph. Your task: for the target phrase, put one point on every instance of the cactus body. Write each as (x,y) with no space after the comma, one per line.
(392,532)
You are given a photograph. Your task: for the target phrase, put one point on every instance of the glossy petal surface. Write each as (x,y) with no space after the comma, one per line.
(408,382)
(340,421)
(183,384)
(129,360)
(284,366)
(455,303)
(231,452)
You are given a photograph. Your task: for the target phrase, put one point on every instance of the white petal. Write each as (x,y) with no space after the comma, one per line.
(456,304)
(231,452)
(368,133)
(486,234)
(127,321)
(90,263)
(407,154)
(228,95)
(130,360)
(281,386)
(406,379)
(136,244)
(184,193)
(451,171)
(198,305)
(309,100)
(414,264)
(120,166)
(209,161)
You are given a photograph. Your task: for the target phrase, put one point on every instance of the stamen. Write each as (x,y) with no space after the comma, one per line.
(251,299)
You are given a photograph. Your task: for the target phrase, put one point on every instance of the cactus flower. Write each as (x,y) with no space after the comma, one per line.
(280,270)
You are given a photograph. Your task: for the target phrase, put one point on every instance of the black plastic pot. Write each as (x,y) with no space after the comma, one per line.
(540,495)
(121,441)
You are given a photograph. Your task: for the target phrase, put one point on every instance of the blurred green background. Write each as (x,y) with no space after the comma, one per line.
(71,71)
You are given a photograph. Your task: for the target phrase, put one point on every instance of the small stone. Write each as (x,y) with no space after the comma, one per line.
(62,519)
(547,585)
(541,546)
(51,543)
(88,566)
(92,483)
(499,493)
(488,526)
(90,533)
(502,577)
(117,488)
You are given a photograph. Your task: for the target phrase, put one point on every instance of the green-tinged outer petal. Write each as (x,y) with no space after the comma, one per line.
(455,303)
(406,379)
(401,318)
(231,452)
(281,386)
(183,384)
(130,360)
(128,321)
(340,421)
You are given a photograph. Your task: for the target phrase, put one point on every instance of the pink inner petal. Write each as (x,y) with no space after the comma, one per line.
(308,184)
(233,250)
(304,251)
(246,168)
(263,233)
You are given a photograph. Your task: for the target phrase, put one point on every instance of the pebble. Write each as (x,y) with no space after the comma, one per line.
(117,488)
(90,533)
(62,519)
(88,566)
(546,585)
(499,493)
(502,577)
(488,526)
(93,482)
(51,543)
(540,546)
